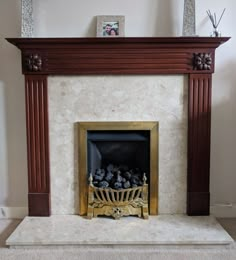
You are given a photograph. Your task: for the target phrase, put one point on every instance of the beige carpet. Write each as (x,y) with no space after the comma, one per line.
(7,226)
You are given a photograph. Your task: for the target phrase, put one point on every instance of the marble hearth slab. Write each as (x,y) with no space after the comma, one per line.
(158,230)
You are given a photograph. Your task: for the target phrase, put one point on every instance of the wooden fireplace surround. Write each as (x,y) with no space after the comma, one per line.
(194,56)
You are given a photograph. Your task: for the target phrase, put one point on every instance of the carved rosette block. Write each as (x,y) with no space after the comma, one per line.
(202,61)
(33,62)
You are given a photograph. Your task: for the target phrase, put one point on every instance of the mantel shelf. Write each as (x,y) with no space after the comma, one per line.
(216,41)
(162,55)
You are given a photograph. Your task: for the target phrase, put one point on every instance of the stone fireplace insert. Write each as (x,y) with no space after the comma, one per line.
(194,56)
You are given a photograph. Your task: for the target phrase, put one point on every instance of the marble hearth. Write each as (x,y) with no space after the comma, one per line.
(127,233)
(118,98)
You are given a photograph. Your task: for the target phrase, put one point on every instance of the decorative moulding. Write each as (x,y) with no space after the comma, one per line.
(202,61)
(121,55)
(33,62)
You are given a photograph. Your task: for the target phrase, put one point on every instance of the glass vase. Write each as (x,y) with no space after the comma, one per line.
(216,33)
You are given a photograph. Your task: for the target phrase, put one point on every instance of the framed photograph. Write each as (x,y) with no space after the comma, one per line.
(110,26)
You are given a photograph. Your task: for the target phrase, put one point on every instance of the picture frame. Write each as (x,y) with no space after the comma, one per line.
(110,26)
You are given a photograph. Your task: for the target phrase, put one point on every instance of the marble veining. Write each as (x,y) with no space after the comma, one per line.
(159,230)
(118,98)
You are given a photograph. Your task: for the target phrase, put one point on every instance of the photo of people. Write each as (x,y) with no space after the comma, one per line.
(110,29)
(110,26)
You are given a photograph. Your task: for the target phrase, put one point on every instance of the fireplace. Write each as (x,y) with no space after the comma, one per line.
(117,155)
(105,99)
(192,56)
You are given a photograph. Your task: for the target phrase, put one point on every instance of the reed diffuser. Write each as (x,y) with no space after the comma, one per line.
(215,23)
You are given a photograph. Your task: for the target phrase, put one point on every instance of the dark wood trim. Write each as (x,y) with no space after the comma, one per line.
(72,56)
(164,42)
(199,134)
(39,204)
(194,56)
(36,99)
(198,203)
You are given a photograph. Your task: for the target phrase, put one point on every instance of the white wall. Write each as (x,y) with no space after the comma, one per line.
(13,172)
(76,18)
(223,141)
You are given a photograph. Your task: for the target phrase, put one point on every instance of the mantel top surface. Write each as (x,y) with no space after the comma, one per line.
(211,41)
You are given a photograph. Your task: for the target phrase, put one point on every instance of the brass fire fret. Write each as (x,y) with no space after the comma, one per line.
(118,203)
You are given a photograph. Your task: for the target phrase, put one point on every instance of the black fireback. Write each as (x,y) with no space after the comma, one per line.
(129,148)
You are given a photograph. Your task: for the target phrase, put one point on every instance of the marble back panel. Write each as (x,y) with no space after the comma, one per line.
(118,98)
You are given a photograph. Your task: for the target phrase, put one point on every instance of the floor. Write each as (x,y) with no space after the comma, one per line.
(229,224)
(8,226)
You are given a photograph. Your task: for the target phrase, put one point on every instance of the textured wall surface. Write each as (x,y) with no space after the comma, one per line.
(118,98)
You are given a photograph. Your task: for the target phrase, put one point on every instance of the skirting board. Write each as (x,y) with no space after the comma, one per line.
(223,210)
(13,212)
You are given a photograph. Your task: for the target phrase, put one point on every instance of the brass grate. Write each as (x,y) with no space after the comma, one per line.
(118,203)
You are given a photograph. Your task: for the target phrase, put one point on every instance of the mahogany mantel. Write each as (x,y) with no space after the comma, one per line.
(194,56)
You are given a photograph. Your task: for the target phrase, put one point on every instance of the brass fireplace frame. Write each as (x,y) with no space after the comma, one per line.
(83,127)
